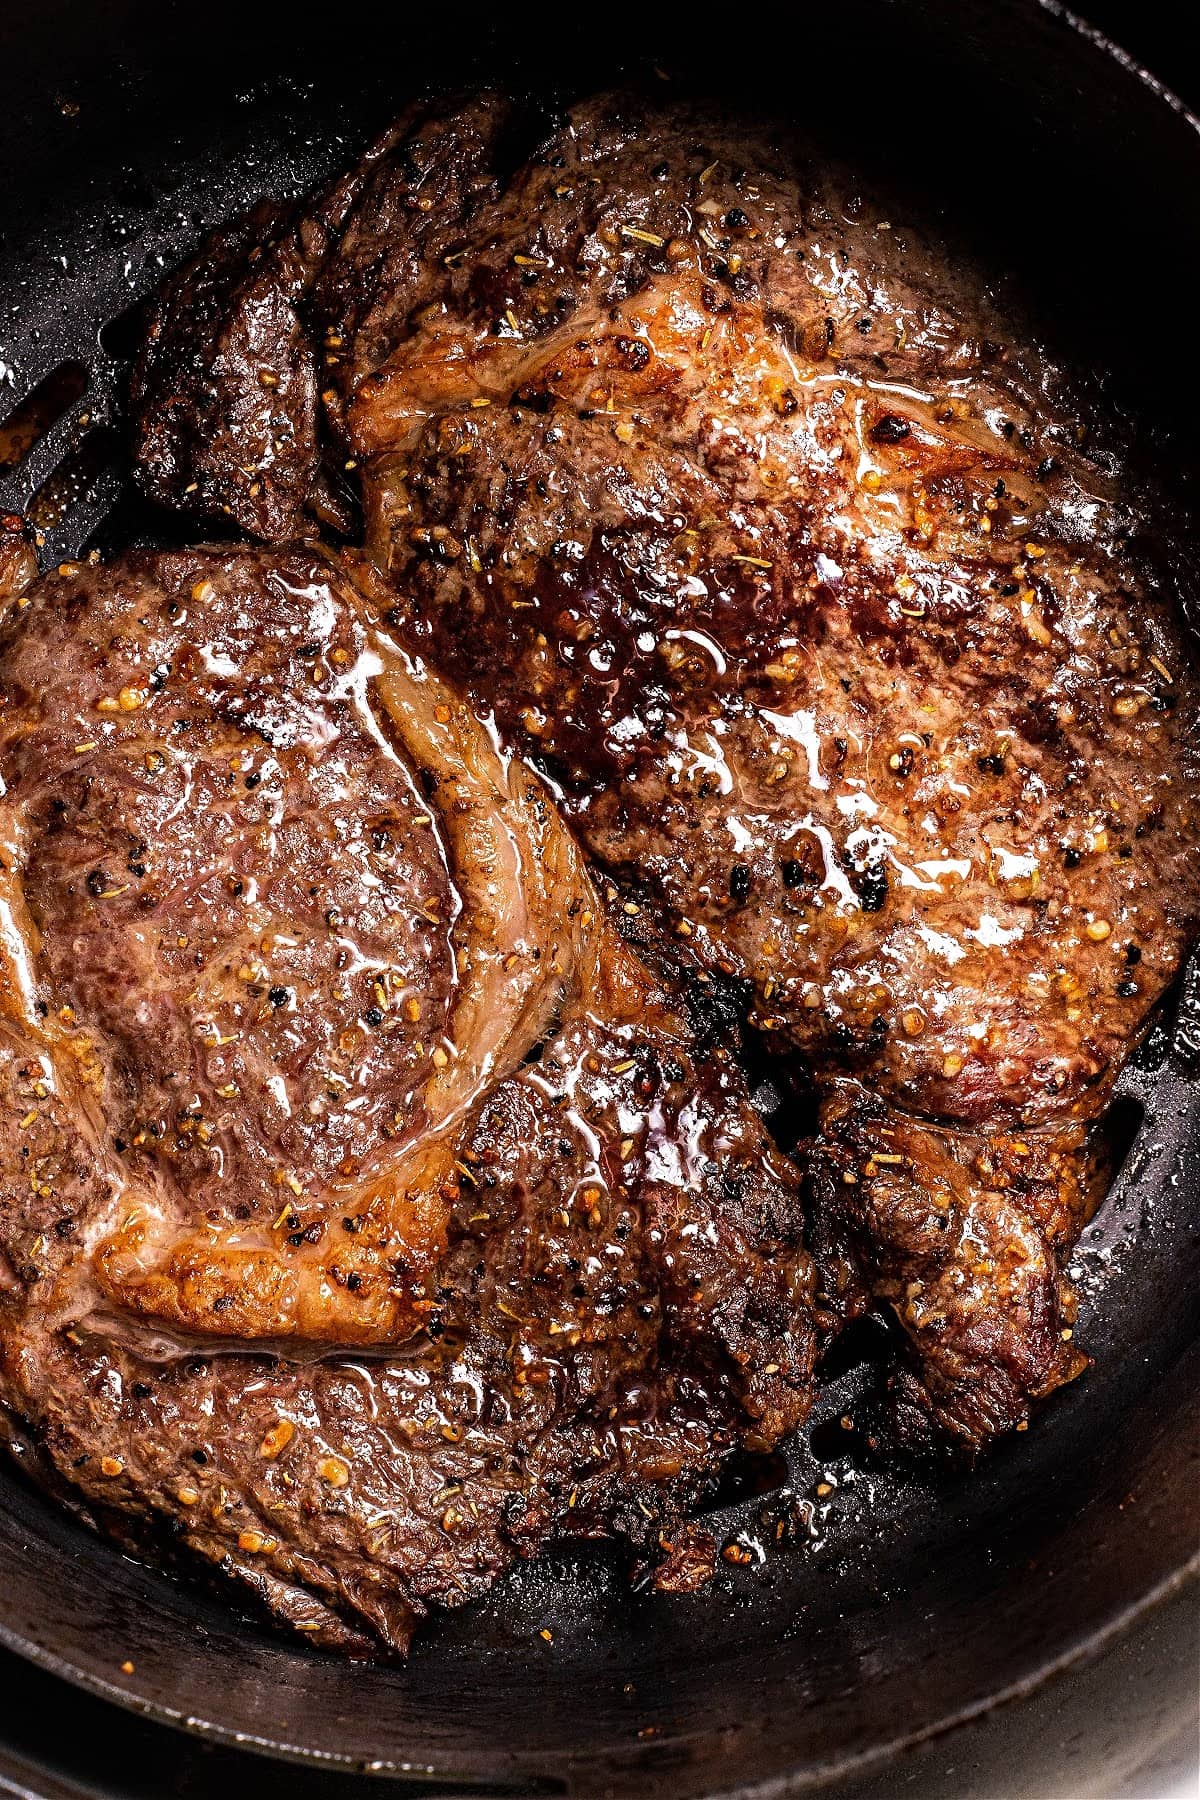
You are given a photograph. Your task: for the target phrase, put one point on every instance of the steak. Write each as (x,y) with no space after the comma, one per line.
(366,1215)
(225,389)
(775,544)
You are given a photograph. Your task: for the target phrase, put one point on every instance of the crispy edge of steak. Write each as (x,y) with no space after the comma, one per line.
(225,391)
(961,1236)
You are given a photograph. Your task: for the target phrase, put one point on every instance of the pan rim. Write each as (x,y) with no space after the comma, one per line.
(792,1783)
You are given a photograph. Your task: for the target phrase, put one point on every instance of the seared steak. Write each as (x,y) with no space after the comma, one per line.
(769,539)
(963,1235)
(366,1217)
(225,389)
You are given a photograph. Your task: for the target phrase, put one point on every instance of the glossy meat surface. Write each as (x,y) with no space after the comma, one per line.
(866,689)
(366,1217)
(788,558)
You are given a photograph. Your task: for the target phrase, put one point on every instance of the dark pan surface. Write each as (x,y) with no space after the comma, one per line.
(904,1605)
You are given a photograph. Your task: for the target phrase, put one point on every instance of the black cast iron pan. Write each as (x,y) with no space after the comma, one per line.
(1027,1630)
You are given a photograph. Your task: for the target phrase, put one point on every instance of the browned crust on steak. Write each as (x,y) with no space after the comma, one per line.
(244,915)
